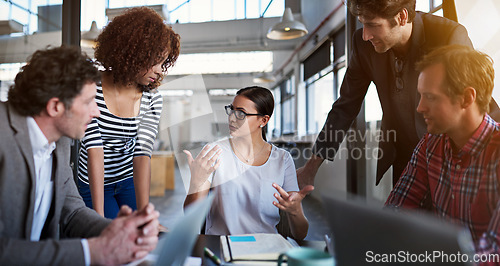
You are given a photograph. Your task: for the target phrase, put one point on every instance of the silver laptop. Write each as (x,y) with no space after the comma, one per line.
(178,243)
(364,233)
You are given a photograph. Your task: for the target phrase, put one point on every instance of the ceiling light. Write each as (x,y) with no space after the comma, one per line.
(89,37)
(92,34)
(288,28)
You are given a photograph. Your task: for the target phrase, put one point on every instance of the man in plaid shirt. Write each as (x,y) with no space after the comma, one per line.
(454,170)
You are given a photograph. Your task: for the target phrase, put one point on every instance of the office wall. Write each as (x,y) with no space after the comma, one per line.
(482,20)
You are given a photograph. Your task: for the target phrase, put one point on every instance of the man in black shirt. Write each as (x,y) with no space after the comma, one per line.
(393,38)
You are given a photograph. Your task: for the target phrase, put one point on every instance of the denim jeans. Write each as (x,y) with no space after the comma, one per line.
(115,195)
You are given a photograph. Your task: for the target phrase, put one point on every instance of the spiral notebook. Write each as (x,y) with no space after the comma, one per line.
(253,248)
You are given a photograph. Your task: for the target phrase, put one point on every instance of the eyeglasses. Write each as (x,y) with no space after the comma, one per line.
(398,66)
(240,115)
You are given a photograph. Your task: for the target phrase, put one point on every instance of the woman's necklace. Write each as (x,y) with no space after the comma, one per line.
(245,158)
(126,113)
(129,141)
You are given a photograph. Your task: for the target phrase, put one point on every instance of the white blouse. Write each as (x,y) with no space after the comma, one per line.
(243,203)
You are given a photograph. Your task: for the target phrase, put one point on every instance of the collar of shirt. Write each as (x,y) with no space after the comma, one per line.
(39,143)
(478,141)
(42,157)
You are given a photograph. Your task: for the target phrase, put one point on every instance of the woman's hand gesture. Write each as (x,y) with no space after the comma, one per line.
(290,202)
(202,166)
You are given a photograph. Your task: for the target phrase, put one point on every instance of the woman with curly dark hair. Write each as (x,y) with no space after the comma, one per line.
(135,50)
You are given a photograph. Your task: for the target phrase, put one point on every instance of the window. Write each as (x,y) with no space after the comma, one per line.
(323,85)
(28,13)
(202,10)
(319,95)
(283,120)
(288,105)
(301,127)
(213,63)
(275,123)
(433,6)
(4,10)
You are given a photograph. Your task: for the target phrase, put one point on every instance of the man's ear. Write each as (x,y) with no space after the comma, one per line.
(402,17)
(54,107)
(469,97)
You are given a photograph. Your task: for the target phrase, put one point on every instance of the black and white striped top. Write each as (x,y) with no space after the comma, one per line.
(121,138)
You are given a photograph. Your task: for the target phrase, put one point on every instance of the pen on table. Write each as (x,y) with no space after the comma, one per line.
(212,256)
(328,242)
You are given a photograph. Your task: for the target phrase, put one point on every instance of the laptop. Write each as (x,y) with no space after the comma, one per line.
(364,233)
(178,243)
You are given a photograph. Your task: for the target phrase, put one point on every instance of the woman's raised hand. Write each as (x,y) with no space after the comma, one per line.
(202,166)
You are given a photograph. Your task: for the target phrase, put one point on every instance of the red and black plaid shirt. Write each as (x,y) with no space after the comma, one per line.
(464,187)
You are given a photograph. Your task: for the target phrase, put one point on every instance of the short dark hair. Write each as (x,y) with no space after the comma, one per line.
(464,67)
(59,72)
(263,100)
(387,9)
(136,41)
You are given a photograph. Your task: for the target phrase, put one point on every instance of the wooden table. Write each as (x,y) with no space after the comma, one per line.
(162,173)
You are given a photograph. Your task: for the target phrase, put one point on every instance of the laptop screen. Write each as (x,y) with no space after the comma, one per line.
(178,244)
(364,233)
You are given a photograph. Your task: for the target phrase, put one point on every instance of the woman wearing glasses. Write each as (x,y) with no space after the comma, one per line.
(252,178)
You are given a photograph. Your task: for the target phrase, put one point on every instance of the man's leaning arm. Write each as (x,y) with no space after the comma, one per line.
(307,173)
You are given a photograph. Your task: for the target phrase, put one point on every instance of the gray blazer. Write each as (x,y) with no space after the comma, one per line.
(68,219)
